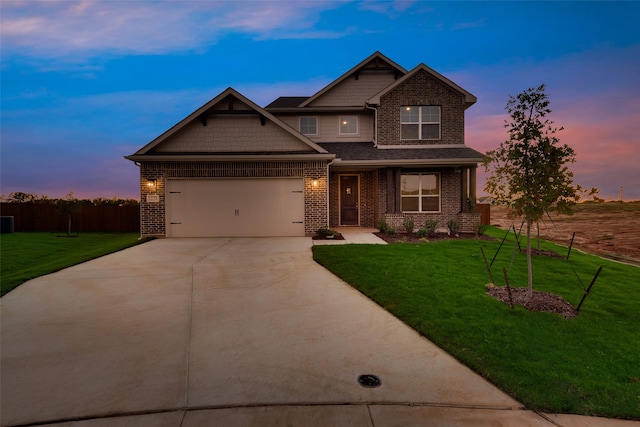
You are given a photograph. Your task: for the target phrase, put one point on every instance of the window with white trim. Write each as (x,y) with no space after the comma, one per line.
(420,122)
(309,125)
(348,125)
(420,192)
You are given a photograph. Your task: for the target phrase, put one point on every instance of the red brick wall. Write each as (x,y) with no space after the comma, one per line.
(449,204)
(315,197)
(422,89)
(152,214)
(368,197)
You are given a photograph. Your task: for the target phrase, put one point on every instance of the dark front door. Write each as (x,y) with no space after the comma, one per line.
(349,200)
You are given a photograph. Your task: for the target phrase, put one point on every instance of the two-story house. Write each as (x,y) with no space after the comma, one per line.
(378,143)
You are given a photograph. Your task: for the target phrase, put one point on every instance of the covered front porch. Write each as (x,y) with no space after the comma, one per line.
(367,196)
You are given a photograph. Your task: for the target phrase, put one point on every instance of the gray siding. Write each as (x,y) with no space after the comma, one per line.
(231,134)
(328,127)
(353,93)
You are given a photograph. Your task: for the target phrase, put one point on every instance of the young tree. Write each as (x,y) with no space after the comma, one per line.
(68,206)
(529,172)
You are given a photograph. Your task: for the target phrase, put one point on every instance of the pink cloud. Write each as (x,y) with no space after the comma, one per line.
(82,28)
(604,140)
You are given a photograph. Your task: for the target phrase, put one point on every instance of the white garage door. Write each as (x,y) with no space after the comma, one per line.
(235,207)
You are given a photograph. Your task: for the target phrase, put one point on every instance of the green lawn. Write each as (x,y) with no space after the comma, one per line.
(28,255)
(586,365)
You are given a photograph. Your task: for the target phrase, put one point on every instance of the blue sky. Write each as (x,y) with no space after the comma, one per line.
(85,83)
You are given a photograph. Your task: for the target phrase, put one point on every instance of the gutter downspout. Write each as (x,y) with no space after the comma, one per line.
(375,123)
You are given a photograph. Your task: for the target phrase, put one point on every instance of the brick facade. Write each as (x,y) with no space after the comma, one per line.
(152,209)
(450,184)
(421,89)
(374,92)
(368,190)
(373,197)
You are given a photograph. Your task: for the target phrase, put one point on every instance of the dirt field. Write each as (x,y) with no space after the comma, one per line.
(609,229)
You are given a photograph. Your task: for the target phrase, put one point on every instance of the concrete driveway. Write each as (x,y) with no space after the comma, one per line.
(195,332)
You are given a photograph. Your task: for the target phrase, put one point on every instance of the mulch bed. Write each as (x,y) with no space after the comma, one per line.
(542,252)
(412,238)
(540,301)
(337,236)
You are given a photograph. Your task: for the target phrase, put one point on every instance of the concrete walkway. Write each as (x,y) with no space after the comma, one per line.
(354,235)
(247,332)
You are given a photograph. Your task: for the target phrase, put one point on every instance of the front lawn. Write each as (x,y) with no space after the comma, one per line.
(29,255)
(586,365)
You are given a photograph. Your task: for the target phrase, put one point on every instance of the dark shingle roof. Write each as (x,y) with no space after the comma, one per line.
(365,151)
(287,102)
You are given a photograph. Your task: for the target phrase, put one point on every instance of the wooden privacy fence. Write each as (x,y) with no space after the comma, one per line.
(85,218)
(485,213)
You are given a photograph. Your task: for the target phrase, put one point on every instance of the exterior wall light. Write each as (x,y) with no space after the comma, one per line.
(314,183)
(151,184)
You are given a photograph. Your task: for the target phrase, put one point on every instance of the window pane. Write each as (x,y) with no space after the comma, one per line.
(430,131)
(409,114)
(409,132)
(430,184)
(308,125)
(348,124)
(410,204)
(431,114)
(410,185)
(430,204)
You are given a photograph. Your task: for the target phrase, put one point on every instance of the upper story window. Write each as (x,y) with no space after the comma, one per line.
(348,125)
(309,125)
(420,122)
(420,192)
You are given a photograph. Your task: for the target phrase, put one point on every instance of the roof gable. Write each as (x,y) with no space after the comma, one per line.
(374,63)
(230,123)
(469,99)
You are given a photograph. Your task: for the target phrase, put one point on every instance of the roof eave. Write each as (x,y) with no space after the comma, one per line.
(306,110)
(407,162)
(226,157)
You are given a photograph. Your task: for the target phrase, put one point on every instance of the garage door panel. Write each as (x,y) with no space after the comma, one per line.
(235,207)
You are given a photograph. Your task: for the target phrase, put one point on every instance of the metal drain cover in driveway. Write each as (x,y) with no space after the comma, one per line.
(369,381)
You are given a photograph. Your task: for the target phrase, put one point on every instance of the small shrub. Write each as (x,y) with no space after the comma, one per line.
(385,228)
(408,225)
(430,225)
(453,226)
(422,232)
(324,231)
(480,229)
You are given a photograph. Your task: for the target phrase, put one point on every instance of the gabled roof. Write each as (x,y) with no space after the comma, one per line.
(287,102)
(375,61)
(200,114)
(468,97)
